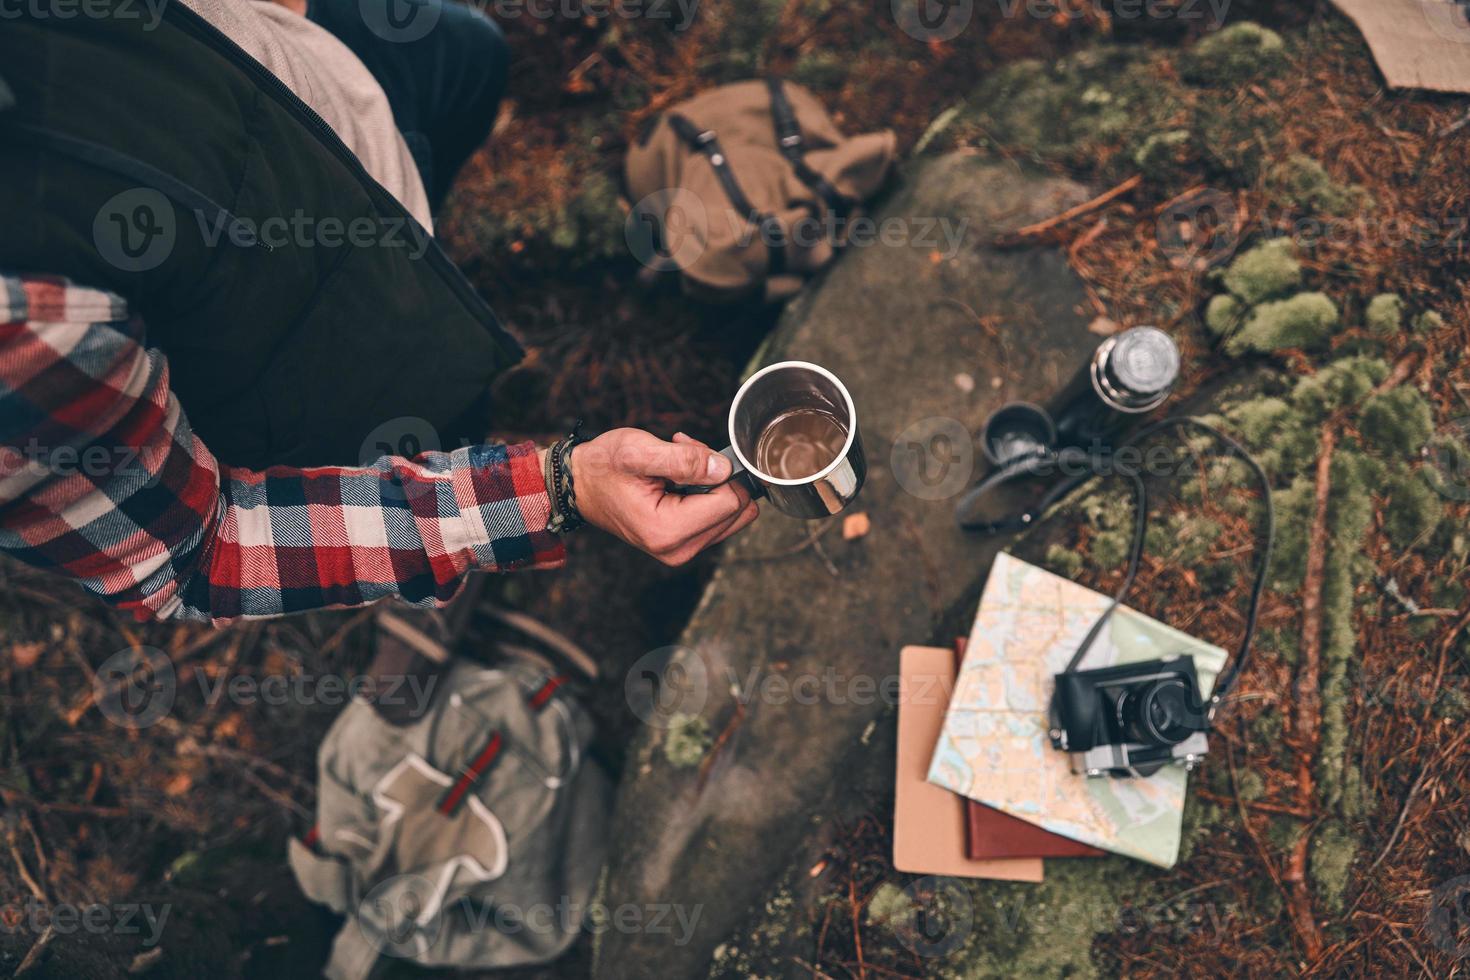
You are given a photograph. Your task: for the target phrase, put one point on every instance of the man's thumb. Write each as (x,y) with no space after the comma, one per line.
(685,463)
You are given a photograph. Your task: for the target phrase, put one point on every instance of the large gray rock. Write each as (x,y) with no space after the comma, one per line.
(898,323)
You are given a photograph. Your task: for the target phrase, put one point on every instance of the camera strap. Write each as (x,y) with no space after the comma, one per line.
(1096,465)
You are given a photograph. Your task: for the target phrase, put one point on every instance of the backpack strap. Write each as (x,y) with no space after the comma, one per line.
(708,144)
(793,148)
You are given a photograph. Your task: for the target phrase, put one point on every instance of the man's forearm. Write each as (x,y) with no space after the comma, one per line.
(288,540)
(102,479)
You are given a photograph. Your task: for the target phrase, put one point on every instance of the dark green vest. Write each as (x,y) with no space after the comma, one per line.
(299,304)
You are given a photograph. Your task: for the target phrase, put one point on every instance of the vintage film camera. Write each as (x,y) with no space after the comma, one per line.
(1128,720)
(1132,719)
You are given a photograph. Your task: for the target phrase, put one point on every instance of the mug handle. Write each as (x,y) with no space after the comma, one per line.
(738,472)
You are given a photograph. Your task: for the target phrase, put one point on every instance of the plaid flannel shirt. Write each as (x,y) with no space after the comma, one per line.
(102,479)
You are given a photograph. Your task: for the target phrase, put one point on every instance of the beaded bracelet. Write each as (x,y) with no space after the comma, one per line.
(564,514)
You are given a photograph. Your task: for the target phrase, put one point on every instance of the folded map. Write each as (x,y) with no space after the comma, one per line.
(994,747)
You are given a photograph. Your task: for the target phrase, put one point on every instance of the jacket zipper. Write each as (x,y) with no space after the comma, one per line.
(209,35)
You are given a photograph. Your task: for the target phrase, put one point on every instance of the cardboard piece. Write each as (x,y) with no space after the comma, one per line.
(1417,43)
(929,822)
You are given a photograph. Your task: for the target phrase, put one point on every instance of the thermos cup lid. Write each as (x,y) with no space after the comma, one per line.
(1144,361)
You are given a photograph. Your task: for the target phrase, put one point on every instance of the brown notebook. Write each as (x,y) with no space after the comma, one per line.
(929,820)
(991,834)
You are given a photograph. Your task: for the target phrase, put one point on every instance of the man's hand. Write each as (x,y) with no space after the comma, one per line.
(621,481)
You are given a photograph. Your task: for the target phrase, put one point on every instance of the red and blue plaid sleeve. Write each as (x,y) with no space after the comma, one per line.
(102,479)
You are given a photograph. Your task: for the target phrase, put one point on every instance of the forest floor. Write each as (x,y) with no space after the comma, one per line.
(96,813)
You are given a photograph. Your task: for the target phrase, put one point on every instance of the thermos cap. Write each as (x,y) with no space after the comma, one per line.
(1144,362)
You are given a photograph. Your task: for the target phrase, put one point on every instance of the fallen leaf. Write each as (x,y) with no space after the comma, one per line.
(855,525)
(1103,327)
(179,785)
(25,655)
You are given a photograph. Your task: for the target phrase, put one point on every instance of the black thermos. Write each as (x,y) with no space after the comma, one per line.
(1129,374)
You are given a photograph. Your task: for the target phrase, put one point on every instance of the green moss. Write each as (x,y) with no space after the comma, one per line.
(1452,704)
(1163,156)
(1428,322)
(1349,514)
(1280,435)
(1341,384)
(1398,422)
(1184,538)
(1304,184)
(687,740)
(1294,510)
(820,70)
(1259,420)
(1109,549)
(1331,861)
(1413,510)
(1233,56)
(1236,136)
(1266,271)
(1099,100)
(1223,313)
(1284,832)
(1064,561)
(1265,729)
(593,221)
(1304,321)
(1385,315)
(889,904)
(1252,785)
(1044,930)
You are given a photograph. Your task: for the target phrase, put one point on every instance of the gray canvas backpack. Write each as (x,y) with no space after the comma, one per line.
(472,837)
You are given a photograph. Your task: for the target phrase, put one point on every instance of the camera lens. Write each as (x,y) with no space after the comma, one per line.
(1158,713)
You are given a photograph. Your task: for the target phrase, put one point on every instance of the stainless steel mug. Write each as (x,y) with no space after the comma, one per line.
(776,391)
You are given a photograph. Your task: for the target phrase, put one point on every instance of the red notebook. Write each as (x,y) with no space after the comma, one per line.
(991,833)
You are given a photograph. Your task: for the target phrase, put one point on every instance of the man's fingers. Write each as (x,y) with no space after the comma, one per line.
(714,535)
(689,440)
(685,517)
(747,516)
(684,462)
